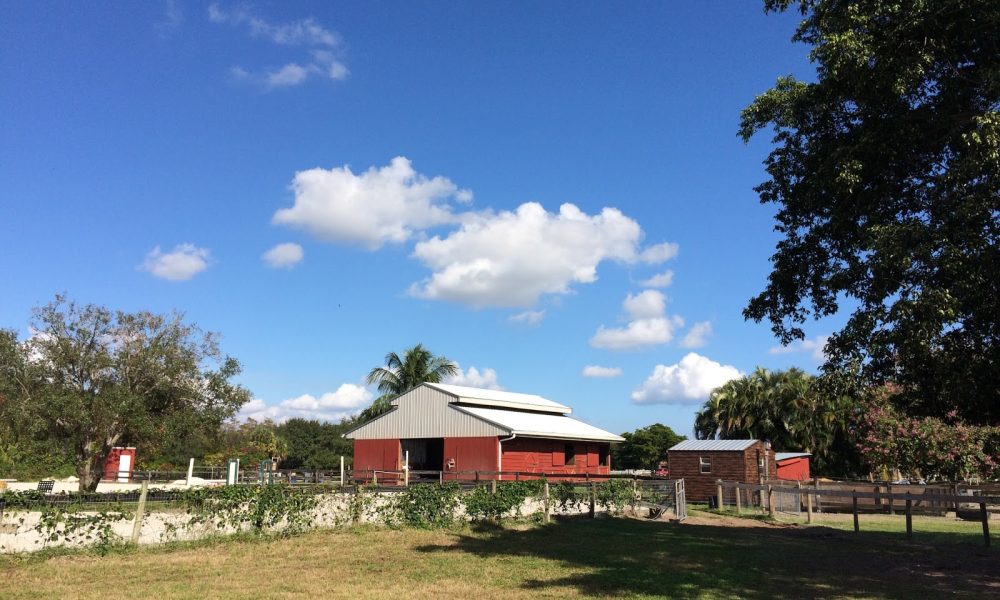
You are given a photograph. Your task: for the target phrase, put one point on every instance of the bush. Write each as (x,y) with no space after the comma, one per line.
(483,504)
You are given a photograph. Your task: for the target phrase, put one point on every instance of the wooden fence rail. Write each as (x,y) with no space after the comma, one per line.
(907,498)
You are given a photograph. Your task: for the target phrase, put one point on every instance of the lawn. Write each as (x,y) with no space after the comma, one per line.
(707,557)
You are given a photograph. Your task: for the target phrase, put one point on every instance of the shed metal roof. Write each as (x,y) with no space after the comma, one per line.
(530,424)
(500,399)
(714,445)
(780,456)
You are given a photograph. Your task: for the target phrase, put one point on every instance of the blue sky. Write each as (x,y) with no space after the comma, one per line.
(324,182)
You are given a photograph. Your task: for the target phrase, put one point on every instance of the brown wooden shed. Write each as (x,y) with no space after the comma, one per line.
(700,463)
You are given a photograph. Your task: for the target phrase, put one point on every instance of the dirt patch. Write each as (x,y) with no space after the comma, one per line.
(728,521)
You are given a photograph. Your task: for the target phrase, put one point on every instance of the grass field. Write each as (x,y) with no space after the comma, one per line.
(707,557)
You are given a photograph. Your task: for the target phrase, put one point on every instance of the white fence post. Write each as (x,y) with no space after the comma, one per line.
(190,472)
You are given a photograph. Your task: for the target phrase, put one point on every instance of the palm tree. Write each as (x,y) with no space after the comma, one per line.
(400,375)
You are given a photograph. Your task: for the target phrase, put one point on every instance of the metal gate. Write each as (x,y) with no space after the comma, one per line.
(680,500)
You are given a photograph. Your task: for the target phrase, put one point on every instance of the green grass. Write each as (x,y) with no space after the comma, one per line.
(708,557)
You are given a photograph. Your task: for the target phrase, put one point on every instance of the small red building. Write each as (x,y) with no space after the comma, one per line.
(461,430)
(793,465)
(119,464)
(700,463)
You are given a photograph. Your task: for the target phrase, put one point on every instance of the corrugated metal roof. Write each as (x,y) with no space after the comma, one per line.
(541,425)
(500,399)
(780,456)
(714,445)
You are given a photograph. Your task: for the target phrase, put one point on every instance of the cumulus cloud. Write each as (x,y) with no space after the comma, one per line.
(601,372)
(180,264)
(648,324)
(283,256)
(659,253)
(321,60)
(473,377)
(690,381)
(346,401)
(697,336)
(660,280)
(816,347)
(379,206)
(511,258)
(532,318)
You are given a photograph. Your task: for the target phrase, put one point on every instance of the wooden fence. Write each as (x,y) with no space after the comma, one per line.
(814,495)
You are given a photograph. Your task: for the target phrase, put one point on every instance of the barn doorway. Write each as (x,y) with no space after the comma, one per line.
(426,454)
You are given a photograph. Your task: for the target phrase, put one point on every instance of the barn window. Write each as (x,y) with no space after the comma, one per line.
(570,453)
(705,464)
(602,455)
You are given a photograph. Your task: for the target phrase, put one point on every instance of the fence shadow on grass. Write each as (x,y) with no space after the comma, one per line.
(632,557)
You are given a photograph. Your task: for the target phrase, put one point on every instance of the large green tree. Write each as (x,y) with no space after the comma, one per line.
(401,374)
(792,409)
(95,378)
(886,179)
(644,447)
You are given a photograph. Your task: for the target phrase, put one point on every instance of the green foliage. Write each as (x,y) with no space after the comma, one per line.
(427,505)
(923,447)
(791,409)
(94,378)
(262,507)
(886,179)
(314,445)
(400,375)
(483,504)
(644,448)
(565,494)
(94,529)
(616,494)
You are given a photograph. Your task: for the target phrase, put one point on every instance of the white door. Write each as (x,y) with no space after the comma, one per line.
(124,467)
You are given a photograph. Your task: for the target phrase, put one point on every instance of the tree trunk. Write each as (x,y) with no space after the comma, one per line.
(90,467)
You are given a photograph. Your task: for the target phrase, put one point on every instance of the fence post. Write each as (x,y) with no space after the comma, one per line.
(770,502)
(493,486)
(819,504)
(718,493)
(440,477)
(139,511)
(545,499)
(737,490)
(593,500)
(809,506)
(190,472)
(341,471)
(888,489)
(854,503)
(909,517)
(985,516)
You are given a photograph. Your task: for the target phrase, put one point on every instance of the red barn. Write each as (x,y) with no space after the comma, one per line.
(793,465)
(457,429)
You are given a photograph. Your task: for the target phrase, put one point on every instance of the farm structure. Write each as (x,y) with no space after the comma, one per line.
(793,466)
(700,463)
(460,430)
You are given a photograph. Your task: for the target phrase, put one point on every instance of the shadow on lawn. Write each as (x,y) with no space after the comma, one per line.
(632,557)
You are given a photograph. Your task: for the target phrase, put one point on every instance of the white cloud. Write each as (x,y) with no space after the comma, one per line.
(511,258)
(660,280)
(323,62)
(346,401)
(659,253)
(284,256)
(815,347)
(473,377)
(180,264)
(648,324)
(645,305)
(532,318)
(688,382)
(697,336)
(379,206)
(601,372)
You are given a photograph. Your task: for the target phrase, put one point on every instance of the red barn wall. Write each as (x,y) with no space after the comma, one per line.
(533,455)
(382,455)
(112,464)
(795,469)
(471,454)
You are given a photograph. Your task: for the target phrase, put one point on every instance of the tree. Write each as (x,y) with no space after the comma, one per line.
(96,378)
(644,447)
(400,375)
(315,445)
(792,409)
(886,176)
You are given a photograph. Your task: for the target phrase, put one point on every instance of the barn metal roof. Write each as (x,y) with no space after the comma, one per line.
(714,445)
(780,456)
(530,424)
(500,399)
